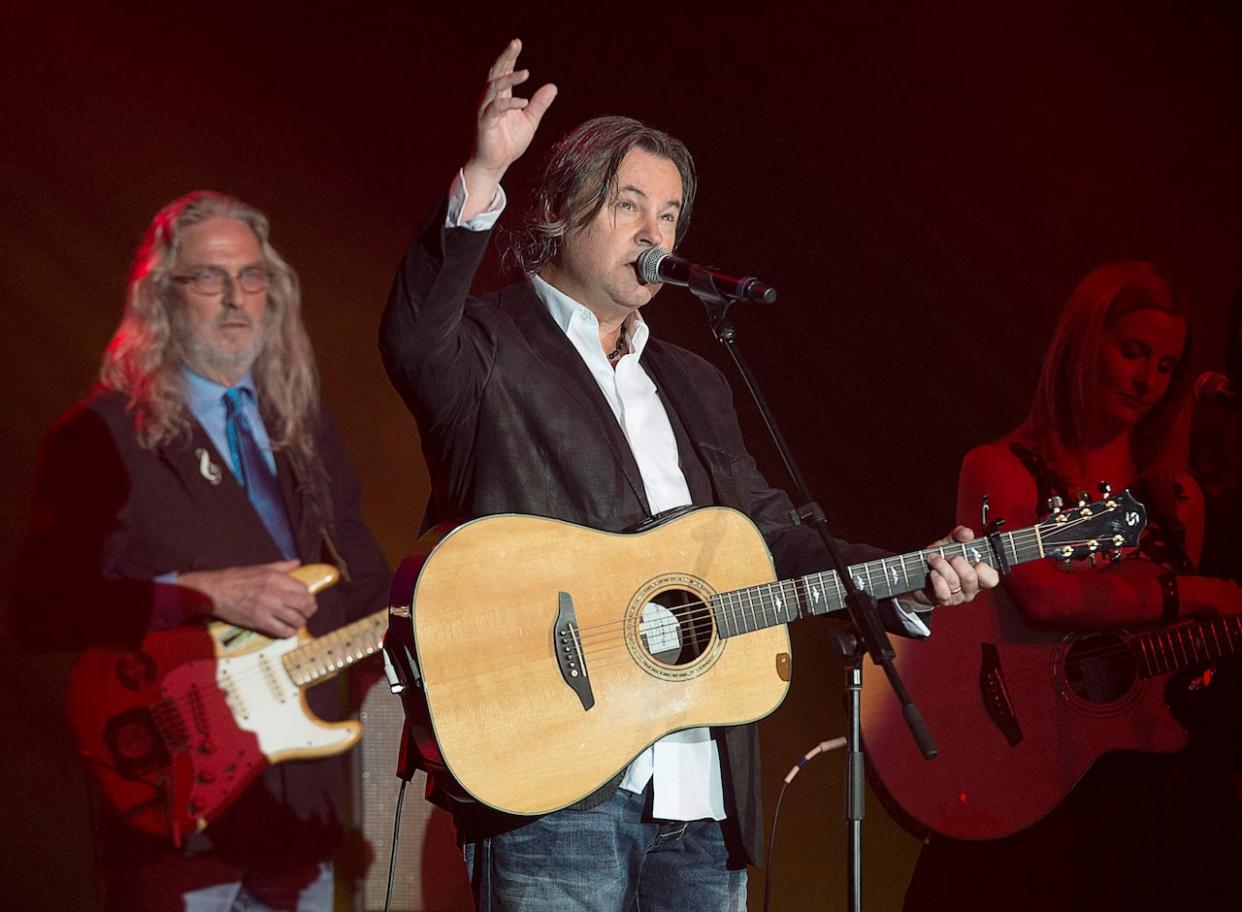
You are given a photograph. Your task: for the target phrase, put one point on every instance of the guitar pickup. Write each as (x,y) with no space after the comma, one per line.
(567,644)
(996,696)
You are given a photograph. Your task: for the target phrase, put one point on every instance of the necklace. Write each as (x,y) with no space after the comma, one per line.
(616,352)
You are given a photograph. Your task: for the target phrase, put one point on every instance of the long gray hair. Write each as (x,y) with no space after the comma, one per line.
(144,358)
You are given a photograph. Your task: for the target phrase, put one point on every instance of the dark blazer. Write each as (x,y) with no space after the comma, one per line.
(109,516)
(511,420)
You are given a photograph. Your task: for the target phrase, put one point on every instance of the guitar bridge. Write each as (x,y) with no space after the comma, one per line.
(567,644)
(996,695)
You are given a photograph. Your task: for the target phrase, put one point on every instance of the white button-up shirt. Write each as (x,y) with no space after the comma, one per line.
(684,767)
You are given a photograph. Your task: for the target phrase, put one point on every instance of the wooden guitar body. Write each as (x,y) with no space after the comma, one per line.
(484,612)
(538,658)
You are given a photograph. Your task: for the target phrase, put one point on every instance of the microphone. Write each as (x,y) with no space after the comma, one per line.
(658,265)
(1214,387)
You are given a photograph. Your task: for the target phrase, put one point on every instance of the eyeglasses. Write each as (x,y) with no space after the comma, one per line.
(252,279)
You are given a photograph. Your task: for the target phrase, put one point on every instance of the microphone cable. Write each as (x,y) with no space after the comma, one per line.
(396,834)
(822,748)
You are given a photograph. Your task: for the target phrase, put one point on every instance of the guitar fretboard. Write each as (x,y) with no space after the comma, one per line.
(332,653)
(781,602)
(1187,645)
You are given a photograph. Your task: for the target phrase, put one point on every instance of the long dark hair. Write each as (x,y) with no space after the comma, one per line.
(579,177)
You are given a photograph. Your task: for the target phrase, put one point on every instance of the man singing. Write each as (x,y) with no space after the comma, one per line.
(553,397)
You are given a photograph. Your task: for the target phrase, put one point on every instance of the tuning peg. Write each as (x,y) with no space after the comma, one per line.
(1105,489)
(1055,503)
(1083,497)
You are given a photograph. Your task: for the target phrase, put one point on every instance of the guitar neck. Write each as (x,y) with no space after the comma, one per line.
(1186,645)
(326,656)
(781,602)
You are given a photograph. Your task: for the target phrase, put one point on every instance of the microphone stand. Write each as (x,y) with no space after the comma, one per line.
(867,636)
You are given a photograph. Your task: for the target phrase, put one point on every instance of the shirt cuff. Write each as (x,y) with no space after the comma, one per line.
(173,604)
(904,618)
(458,194)
(168,608)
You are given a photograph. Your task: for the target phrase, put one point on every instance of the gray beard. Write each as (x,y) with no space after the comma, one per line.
(211,361)
(208,360)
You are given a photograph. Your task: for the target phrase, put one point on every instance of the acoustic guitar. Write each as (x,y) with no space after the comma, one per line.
(539,657)
(1020,712)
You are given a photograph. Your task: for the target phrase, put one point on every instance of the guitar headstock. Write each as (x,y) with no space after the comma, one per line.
(1089,528)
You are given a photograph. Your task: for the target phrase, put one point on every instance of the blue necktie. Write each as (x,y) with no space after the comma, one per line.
(256,478)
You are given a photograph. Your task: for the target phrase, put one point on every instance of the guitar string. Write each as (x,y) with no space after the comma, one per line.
(1030,685)
(699,618)
(1181,652)
(702,618)
(243,679)
(1106,654)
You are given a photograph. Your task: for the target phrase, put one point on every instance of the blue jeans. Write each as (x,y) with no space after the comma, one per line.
(606,859)
(198,884)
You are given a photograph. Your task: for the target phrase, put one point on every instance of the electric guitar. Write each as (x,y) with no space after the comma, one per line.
(1020,713)
(174,730)
(538,657)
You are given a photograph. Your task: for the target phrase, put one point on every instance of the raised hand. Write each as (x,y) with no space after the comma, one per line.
(262,597)
(505,125)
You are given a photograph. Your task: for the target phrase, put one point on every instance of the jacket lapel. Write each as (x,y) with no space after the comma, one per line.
(688,413)
(211,485)
(295,491)
(562,360)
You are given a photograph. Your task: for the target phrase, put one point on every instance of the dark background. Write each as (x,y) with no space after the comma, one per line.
(924,185)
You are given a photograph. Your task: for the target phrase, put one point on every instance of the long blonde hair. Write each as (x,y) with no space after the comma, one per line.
(1160,442)
(144,358)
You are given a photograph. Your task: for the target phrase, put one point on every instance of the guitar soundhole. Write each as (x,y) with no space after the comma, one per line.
(676,627)
(1099,668)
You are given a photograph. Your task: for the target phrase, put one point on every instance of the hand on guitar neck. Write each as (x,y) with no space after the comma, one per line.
(955,580)
(268,598)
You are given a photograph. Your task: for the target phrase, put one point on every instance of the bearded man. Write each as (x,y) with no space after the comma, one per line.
(187,485)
